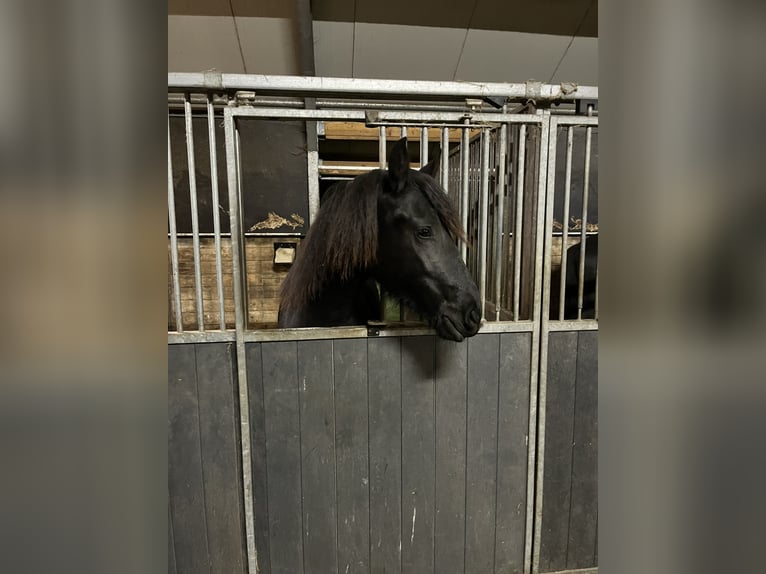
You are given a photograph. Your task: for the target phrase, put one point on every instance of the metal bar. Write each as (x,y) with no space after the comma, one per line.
(464,189)
(423,147)
(312,160)
(585,185)
(266,84)
(404,131)
(174,241)
(334,167)
(541,298)
(382,147)
(573,325)
(445,159)
(482,229)
(194,212)
(237,250)
(565,223)
(241,210)
(577,120)
(500,214)
(216,213)
(197,337)
(522,149)
(595,303)
(377,117)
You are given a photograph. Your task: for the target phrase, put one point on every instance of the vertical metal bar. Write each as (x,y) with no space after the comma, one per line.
(174,241)
(237,247)
(241,208)
(565,223)
(312,158)
(544,236)
(464,188)
(423,146)
(584,230)
(500,215)
(194,210)
(522,149)
(595,314)
(382,147)
(482,229)
(445,159)
(404,131)
(216,212)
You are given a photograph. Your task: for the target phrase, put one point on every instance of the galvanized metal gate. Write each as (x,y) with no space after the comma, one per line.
(389,450)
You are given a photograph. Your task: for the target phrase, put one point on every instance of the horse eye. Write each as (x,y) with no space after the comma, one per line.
(424,232)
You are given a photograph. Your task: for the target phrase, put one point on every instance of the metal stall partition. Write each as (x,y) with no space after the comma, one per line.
(364,449)
(566,516)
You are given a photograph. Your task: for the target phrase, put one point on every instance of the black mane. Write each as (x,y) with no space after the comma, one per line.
(344,238)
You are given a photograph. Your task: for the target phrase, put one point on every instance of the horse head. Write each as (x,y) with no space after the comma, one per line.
(417,257)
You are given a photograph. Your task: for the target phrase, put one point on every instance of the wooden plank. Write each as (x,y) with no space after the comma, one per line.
(353,495)
(584,507)
(185,483)
(258,455)
(450,429)
(171,545)
(221,472)
(557,475)
(513,429)
(385,436)
(418,464)
(358,131)
(481,449)
(315,372)
(283,453)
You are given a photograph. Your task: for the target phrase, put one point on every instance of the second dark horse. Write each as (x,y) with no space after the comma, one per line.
(395,227)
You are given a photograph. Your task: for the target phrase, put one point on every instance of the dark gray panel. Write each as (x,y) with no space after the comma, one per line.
(185,486)
(315,372)
(513,429)
(221,470)
(280,382)
(353,496)
(557,475)
(171,546)
(417,454)
(584,505)
(385,412)
(258,455)
(481,448)
(450,429)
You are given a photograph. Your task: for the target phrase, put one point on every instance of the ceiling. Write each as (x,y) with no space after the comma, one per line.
(477,40)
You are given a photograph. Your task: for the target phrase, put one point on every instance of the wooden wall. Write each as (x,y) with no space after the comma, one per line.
(205,514)
(264,281)
(390,455)
(570,481)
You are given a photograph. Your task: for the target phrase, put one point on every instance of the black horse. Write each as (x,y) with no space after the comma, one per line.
(571,282)
(393,227)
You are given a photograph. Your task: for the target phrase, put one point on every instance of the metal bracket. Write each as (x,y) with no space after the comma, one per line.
(534,90)
(581,106)
(374,327)
(474,104)
(496,102)
(213,80)
(244,98)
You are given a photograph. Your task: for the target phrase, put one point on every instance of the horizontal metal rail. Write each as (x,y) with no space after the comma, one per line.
(359,87)
(315,333)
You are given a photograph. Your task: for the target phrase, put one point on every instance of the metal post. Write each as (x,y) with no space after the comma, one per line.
(464,188)
(174,241)
(423,146)
(237,247)
(216,208)
(583,231)
(521,144)
(565,224)
(445,159)
(482,230)
(194,211)
(500,215)
(242,230)
(382,147)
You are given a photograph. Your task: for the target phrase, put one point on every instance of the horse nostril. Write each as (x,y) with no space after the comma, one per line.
(474,316)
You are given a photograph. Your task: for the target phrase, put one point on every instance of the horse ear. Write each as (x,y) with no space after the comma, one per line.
(432,167)
(399,165)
